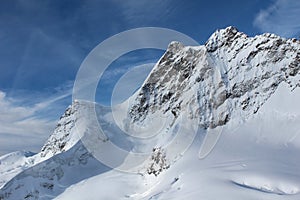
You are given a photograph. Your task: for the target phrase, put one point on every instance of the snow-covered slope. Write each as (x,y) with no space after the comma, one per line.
(232,73)
(233,83)
(63,138)
(255,159)
(13,163)
(63,161)
(64,135)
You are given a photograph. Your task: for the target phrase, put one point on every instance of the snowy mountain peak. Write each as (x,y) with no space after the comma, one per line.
(64,135)
(175,46)
(223,37)
(231,73)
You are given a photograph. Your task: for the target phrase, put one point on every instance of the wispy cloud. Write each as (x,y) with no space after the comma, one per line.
(26,127)
(136,12)
(62,92)
(130,82)
(281,18)
(112,75)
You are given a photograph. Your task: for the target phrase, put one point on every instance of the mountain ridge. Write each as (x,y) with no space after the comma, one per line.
(231,75)
(227,54)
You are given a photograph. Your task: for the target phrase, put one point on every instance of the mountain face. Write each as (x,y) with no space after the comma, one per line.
(227,80)
(63,161)
(64,135)
(232,73)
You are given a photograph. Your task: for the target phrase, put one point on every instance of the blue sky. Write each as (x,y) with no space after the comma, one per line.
(42,44)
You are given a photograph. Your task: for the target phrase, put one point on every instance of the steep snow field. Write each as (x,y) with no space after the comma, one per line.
(255,159)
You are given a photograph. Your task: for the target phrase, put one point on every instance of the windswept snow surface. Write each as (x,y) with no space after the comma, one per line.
(13,163)
(255,159)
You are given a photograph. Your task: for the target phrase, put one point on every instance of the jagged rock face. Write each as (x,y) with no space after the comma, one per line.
(158,162)
(231,73)
(64,135)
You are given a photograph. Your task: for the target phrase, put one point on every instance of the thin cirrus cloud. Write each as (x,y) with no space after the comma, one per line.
(281,18)
(25,127)
(130,82)
(135,13)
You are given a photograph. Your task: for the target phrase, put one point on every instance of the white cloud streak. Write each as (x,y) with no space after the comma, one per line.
(281,18)
(21,127)
(144,11)
(130,82)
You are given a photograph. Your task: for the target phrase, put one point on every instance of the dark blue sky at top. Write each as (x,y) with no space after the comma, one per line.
(42,43)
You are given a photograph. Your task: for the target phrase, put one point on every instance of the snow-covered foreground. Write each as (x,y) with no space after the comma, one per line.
(255,159)
(13,163)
